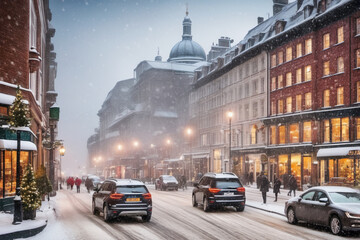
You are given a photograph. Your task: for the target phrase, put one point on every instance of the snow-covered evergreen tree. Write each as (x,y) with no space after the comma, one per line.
(19,112)
(29,193)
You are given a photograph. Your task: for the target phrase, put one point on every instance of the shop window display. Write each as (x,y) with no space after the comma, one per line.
(294,133)
(296,166)
(307,170)
(283,165)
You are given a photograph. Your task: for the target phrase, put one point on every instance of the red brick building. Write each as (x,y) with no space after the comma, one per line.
(314,122)
(27,61)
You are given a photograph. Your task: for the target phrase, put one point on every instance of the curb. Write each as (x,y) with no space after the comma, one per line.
(24,233)
(270,211)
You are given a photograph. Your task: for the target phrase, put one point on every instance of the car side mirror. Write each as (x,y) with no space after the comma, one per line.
(299,200)
(196,184)
(324,200)
(95,189)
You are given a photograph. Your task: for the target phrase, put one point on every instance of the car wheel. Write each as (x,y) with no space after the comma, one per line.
(206,205)
(240,208)
(106,213)
(146,218)
(93,208)
(335,225)
(194,203)
(291,216)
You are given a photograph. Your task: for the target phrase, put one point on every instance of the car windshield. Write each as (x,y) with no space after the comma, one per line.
(169,178)
(227,183)
(131,189)
(345,197)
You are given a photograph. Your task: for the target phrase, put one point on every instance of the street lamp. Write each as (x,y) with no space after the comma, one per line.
(62,153)
(189,133)
(136,145)
(120,147)
(230,115)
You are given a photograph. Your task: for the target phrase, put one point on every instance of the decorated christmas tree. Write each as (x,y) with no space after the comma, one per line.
(29,194)
(42,181)
(19,112)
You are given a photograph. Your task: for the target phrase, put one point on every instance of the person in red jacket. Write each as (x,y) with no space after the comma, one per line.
(70,182)
(78,183)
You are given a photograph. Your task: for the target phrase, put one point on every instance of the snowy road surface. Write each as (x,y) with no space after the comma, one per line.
(173,218)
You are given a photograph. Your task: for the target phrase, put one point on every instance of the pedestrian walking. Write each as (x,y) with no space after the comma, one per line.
(277,184)
(183,182)
(88,184)
(292,185)
(251,178)
(78,184)
(70,182)
(264,186)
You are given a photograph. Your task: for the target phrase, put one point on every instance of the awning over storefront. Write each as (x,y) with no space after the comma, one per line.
(174,160)
(200,156)
(12,145)
(336,152)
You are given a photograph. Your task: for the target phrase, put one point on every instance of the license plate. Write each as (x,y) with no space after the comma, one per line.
(133,199)
(228,193)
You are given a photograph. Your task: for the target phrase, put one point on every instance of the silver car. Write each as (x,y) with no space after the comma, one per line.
(335,207)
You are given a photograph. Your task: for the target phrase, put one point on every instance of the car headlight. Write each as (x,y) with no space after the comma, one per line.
(352,215)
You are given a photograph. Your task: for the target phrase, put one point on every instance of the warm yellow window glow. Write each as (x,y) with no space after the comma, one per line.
(298,75)
(308,100)
(308,73)
(294,133)
(340,95)
(326,40)
(340,34)
(283,164)
(307,132)
(298,50)
(357,128)
(327,98)
(280,106)
(326,131)
(282,134)
(340,64)
(358,91)
(273,135)
(280,57)
(298,103)
(335,130)
(326,68)
(308,46)
(280,81)
(345,129)
(273,83)
(358,58)
(288,79)
(289,104)
(288,54)
(273,60)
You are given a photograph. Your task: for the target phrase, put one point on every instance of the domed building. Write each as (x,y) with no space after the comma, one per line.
(187,50)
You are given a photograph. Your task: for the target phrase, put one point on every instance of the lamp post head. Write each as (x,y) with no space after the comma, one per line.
(136,143)
(230,114)
(120,147)
(168,141)
(152,145)
(189,131)
(62,150)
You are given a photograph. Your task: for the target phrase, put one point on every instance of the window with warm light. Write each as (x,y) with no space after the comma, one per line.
(358,91)
(298,50)
(340,64)
(340,95)
(298,75)
(282,134)
(280,81)
(289,104)
(307,132)
(308,100)
(357,123)
(253,135)
(280,106)
(358,58)
(273,108)
(298,103)
(344,129)
(308,46)
(340,34)
(283,164)
(288,79)
(326,40)
(4,111)
(335,130)
(273,83)
(288,54)
(308,73)
(326,68)
(358,26)
(272,134)
(327,98)
(326,131)
(280,57)
(294,133)
(273,60)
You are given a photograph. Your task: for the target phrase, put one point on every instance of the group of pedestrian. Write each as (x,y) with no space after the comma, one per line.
(70,182)
(263,184)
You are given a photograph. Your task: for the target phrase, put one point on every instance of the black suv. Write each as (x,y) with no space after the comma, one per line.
(218,190)
(122,197)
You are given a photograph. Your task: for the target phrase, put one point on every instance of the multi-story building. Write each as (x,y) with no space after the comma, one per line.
(28,61)
(313,91)
(151,112)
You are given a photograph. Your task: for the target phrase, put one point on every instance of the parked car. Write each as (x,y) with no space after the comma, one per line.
(95,179)
(122,197)
(219,190)
(166,182)
(335,207)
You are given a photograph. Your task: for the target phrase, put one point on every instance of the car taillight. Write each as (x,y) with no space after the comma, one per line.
(214,190)
(147,195)
(116,196)
(240,189)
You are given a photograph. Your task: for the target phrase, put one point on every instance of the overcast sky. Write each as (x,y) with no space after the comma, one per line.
(99,42)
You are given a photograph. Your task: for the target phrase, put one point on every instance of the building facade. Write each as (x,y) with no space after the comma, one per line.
(28,61)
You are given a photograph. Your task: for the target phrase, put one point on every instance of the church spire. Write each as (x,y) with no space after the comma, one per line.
(187,26)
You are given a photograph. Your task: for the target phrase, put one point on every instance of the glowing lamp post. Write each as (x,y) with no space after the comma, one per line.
(62,153)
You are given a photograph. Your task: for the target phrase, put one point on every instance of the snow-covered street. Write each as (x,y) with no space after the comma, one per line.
(174,218)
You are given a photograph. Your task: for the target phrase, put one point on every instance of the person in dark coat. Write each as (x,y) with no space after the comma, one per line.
(251,178)
(277,184)
(88,184)
(78,183)
(292,185)
(264,186)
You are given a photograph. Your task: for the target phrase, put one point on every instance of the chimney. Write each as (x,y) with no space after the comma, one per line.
(260,20)
(278,5)
(299,3)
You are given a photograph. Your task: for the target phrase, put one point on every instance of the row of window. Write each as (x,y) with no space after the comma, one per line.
(333,130)
(278,59)
(279,82)
(339,69)
(288,108)
(339,38)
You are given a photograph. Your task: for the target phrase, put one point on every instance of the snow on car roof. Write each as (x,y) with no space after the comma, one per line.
(334,189)
(122,182)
